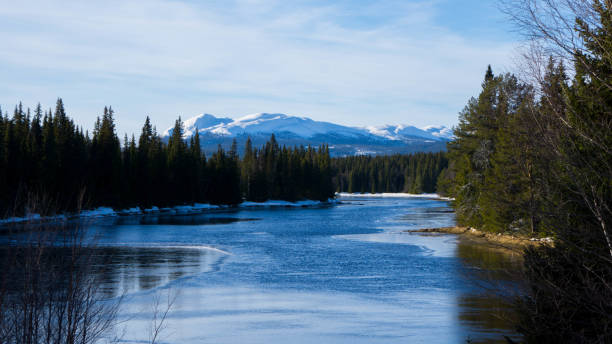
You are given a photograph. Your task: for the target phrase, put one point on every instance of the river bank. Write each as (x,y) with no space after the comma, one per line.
(505,242)
(193,209)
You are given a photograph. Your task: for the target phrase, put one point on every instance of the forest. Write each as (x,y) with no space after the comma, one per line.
(48,165)
(414,173)
(532,157)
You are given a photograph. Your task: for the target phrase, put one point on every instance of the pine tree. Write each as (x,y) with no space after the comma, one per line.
(473,148)
(49,155)
(177,163)
(248,168)
(106,161)
(144,165)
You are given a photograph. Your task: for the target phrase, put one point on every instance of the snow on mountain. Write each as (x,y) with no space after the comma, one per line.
(201,121)
(440,131)
(267,123)
(295,130)
(401,132)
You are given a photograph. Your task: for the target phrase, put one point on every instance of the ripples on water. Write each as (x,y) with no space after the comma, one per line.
(341,274)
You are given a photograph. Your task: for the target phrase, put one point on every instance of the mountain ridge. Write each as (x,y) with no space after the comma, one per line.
(299,130)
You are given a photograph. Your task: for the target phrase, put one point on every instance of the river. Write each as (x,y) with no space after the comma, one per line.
(342,273)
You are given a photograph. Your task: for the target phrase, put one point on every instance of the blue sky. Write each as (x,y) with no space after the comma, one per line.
(352,62)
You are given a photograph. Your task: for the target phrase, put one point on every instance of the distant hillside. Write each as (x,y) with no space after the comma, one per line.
(294,130)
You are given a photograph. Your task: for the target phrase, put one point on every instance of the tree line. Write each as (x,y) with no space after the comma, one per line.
(534,157)
(49,164)
(414,173)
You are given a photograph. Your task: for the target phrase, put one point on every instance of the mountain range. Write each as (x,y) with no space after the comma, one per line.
(295,130)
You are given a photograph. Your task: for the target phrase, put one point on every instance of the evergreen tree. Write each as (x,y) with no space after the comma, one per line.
(106,161)
(414,173)
(49,156)
(178,164)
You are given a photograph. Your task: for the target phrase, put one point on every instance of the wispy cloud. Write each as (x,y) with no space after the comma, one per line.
(353,62)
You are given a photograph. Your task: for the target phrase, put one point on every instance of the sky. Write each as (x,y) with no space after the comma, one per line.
(352,62)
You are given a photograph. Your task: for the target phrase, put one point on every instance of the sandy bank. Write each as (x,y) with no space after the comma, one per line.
(495,240)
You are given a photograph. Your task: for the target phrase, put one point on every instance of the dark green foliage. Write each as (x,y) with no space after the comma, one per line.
(541,164)
(414,173)
(297,173)
(498,161)
(44,154)
(224,177)
(568,299)
(105,162)
(46,157)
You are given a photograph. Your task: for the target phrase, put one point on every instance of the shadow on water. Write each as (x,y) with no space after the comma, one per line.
(427,213)
(494,275)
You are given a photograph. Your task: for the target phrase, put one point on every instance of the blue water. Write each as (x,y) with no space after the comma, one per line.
(346,273)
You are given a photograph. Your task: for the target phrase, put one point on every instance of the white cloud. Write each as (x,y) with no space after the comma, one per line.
(384,62)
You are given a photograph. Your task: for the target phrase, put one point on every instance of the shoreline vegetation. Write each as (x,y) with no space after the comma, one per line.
(532,155)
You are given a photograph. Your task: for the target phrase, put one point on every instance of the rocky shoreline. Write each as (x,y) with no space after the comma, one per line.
(496,240)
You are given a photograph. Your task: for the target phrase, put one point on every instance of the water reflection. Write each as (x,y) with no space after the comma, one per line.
(119,270)
(424,217)
(129,269)
(491,315)
(438,210)
(495,275)
(488,257)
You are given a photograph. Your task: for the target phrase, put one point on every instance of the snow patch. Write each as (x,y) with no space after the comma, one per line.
(400,132)
(280,203)
(130,211)
(196,208)
(201,122)
(98,212)
(391,195)
(191,209)
(440,131)
(29,217)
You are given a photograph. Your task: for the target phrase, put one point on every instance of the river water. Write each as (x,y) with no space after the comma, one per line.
(345,273)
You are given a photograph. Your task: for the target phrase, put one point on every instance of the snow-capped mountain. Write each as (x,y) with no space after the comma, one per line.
(440,131)
(201,122)
(401,132)
(295,130)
